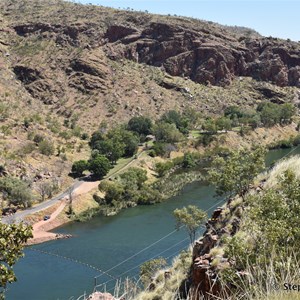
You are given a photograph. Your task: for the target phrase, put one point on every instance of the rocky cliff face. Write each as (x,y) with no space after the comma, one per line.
(207,262)
(206,53)
(205,57)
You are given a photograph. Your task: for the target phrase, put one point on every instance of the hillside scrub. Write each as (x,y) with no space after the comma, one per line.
(16,192)
(266,245)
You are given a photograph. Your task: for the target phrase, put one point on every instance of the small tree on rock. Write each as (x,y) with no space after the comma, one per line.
(191,218)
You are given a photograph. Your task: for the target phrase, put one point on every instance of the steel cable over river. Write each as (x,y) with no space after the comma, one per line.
(105,242)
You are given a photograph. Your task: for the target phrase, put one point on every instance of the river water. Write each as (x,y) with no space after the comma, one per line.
(65,269)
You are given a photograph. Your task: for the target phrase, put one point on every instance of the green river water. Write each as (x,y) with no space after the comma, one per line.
(63,270)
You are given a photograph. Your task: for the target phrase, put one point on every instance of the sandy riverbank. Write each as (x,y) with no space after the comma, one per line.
(42,229)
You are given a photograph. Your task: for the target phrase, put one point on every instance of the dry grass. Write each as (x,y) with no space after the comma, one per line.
(292,164)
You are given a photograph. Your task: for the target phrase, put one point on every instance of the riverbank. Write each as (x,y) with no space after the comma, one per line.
(84,205)
(42,229)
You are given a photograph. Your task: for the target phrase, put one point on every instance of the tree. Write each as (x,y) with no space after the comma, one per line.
(45,189)
(141,125)
(16,191)
(234,174)
(286,113)
(165,132)
(113,191)
(13,238)
(223,123)
(174,117)
(210,126)
(79,167)
(99,166)
(126,139)
(233,112)
(134,178)
(149,268)
(191,218)
(188,160)
(113,150)
(192,116)
(95,138)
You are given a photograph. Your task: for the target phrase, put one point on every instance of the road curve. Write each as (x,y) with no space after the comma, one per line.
(19,216)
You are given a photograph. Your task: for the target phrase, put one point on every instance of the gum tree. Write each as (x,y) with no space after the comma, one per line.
(234,174)
(190,217)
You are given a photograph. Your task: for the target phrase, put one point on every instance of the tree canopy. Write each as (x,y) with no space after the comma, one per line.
(99,166)
(16,191)
(13,238)
(141,125)
(191,218)
(235,173)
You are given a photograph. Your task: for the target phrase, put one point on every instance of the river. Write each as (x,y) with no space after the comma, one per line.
(65,269)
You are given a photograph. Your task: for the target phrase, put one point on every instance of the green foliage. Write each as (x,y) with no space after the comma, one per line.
(159,149)
(271,113)
(188,160)
(95,138)
(13,238)
(192,118)
(174,117)
(267,113)
(111,149)
(276,213)
(134,178)
(129,187)
(141,125)
(210,126)
(240,248)
(79,167)
(191,218)
(270,230)
(27,149)
(16,191)
(233,112)
(84,136)
(117,143)
(165,132)
(205,139)
(234,174)
(113,191)
(149,268)
(99,165)
(38,138)
(46,147)
(223,123)
(161,168)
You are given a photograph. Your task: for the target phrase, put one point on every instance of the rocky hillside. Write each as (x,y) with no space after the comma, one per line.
(66,67)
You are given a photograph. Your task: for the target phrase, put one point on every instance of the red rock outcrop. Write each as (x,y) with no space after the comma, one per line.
(206,57)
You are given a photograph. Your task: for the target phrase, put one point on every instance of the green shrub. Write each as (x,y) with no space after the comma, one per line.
(99,166)
(27,148)
(38,138)
(79,167)
(46,147)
